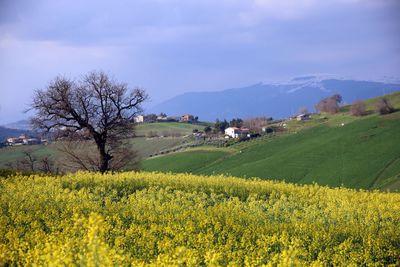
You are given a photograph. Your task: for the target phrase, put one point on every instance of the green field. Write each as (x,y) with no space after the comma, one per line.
(144,146)
(364,153)
(189,161)
(166,128)
(13,154)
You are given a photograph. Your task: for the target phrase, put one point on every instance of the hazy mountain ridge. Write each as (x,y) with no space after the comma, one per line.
(7,132)
(278,100)
(19,125)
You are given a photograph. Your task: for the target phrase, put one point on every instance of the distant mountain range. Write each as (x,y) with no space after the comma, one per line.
(20,125)
(278,100)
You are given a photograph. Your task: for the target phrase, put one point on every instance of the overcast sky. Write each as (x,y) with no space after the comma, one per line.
(171,47)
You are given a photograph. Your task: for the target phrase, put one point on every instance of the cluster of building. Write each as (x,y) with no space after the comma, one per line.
(302,117)
(24,139)
(164,118)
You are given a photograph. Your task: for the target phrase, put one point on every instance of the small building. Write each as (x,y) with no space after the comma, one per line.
(23,139)
(14,141)
(303,117)
(31,141)
(138,119)
(187,118)
(235,132)
(162,118)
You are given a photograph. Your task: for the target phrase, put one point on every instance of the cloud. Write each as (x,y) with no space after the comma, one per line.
(173,46)
(261,10)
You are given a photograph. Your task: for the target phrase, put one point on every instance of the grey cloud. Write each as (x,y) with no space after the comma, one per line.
(170,47)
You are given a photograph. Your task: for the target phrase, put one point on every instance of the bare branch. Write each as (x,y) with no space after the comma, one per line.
(95,107)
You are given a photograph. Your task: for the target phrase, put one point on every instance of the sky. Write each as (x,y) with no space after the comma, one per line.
(169,47)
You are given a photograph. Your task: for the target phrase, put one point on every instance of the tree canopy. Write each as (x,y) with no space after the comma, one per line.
(95,107)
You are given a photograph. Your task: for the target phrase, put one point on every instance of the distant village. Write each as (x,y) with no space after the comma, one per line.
(188,118)
(25,139)
(228,130)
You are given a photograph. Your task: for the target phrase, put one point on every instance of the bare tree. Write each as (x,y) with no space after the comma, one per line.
(358,108)
(95,108)
(383,106)
(47,165)
(256,124)
(329,104)
(27,162)
(83,154)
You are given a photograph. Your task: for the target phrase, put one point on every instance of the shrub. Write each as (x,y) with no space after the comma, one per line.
(358,108)
(383,106)
(329,104)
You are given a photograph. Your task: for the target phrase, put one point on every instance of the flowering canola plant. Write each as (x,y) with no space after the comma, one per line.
(156,219)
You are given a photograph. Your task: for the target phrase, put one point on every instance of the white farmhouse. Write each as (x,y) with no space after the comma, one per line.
(303,117)
(235,132)
(138,119)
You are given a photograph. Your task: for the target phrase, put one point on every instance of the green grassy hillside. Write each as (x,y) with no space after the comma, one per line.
(145,147)
(12,154)
(187,161)
(364,153)
(166,128)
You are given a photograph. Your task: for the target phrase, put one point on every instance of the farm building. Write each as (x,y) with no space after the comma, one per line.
(22,140)
(235,132)
(303,117)
(187,118)
(138,119)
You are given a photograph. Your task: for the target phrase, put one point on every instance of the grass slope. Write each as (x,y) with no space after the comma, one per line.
(166,128)
(364,153)
(188,161)
(149,146)
(144,146)
(13,154)
(355,155)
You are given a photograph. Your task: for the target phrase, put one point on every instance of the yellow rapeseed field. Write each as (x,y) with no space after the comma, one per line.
(180,219)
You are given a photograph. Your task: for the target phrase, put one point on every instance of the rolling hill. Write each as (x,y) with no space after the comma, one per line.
(19,125)
(364,153)
(278,100)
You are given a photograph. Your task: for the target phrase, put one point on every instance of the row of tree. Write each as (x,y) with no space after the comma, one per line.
(331,105)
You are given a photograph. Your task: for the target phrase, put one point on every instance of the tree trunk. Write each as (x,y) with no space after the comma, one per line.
(104,158)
